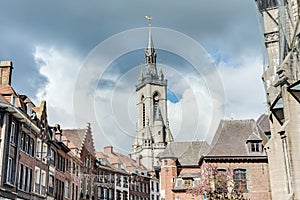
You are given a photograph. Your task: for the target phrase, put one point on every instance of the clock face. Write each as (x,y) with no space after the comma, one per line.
(156,98)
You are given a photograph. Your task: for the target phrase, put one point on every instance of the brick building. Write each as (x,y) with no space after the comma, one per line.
(81,143)
(23,148)
(132,180)
(179,169)
(238,145)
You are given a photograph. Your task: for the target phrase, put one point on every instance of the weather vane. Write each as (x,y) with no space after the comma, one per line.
(149,19)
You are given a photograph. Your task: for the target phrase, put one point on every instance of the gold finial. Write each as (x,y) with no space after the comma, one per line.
(149,19)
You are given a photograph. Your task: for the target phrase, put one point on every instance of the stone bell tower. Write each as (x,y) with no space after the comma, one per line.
(152,128)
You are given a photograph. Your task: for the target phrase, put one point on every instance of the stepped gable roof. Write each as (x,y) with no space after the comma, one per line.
(231,137)
(76,138)
(187,153)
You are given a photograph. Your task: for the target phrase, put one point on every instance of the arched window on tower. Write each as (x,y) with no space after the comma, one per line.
(156,113)
(144,115)
(143,111)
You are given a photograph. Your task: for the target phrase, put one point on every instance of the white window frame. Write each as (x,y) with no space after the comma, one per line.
(12,132)
(44,153)
(67,187)
(38,148)
(9,171)
(37,174)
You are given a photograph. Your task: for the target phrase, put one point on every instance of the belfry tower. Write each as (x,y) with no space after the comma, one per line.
(152,128)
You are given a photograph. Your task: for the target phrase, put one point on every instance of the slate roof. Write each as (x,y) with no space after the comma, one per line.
(263,123)
(231,138)
(187,153)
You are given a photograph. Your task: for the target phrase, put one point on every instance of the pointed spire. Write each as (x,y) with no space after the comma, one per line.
(141,73)
(161,75)
(150,50)
(150,45)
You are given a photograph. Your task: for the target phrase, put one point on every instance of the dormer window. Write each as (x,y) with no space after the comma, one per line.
(254,143)
(255,146)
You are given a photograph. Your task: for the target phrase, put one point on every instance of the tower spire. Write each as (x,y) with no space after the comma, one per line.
(150,53)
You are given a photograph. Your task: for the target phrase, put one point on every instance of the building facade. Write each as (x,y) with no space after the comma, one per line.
(280,21)
(23,146)
(180,168)
(132,181)
(238,145)
(152,128)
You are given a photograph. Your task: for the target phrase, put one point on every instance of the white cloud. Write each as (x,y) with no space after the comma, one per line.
(195,116)
(245,97)
(60,67)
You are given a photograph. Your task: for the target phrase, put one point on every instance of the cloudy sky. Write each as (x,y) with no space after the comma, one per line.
(84,58)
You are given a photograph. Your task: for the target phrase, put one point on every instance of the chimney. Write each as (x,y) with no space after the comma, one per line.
(5,72)
(108,149)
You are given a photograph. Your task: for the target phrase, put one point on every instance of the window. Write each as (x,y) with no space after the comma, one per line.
(187,183)
(44,152)
(118,181)
(12,132)
(9,171)
(13,100)
(157,187)
(53,155)
(156,113)
(37,180)
(43,183)
(144,115)
(255,147)
(20,177)
(25,184)
(152,185)
(38,148)
(221,181)
(74,168)
(51,185)
(22,145)
(240,181)
(27,141)
(31,147)
(29,180)
(67,189)
(179,183)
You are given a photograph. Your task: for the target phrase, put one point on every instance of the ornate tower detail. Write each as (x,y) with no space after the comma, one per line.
(152,129)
